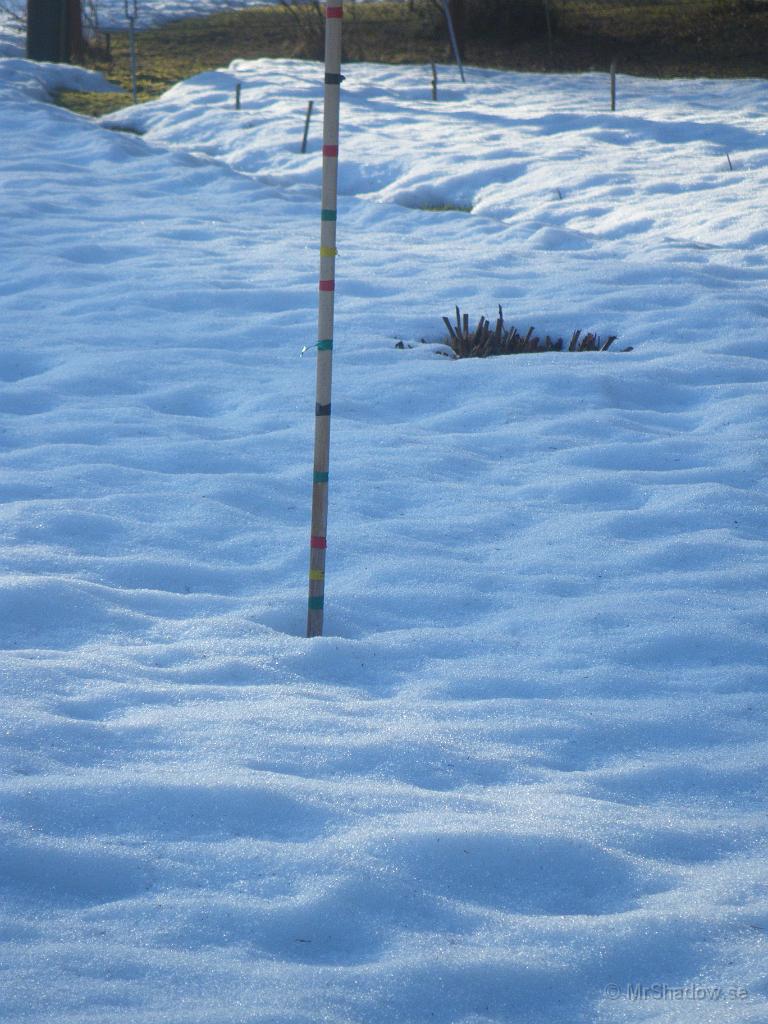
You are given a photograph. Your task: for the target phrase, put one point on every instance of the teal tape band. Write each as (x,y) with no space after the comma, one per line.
(319,478)
(325,345)
(315,603)
(327,215)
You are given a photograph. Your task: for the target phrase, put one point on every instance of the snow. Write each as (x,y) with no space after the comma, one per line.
(40,80)
(523,774)
(12,36)
(112,15)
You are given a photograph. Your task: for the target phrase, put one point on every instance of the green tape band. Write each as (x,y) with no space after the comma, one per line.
(319,478)
(325,345)
(327,215)
(315,603)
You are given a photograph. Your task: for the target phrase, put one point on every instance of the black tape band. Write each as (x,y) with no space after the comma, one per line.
(322,410)
(332,79)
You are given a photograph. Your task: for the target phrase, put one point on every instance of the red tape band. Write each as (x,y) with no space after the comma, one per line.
(327,286)
(334,12)
(318,542)
(330,150)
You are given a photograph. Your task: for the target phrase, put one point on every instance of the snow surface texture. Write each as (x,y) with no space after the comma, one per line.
(12,37)
(525,770)
(111,14)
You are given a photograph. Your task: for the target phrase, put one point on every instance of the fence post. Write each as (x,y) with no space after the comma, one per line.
(613,85)
(334,12)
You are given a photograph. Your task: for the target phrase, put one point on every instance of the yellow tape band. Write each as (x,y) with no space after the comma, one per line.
(328,250)
(316,574)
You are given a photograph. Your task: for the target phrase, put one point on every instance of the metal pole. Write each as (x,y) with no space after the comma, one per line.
(334,13)
(132,13)
(452,34)
(132,37)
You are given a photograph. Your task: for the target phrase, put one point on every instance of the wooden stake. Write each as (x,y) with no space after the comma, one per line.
(334,12)
(434,81)
(310,104)
(613,85)
(238,90)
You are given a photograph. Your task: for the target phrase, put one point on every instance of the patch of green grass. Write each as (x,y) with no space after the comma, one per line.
(92,104)
(445,208)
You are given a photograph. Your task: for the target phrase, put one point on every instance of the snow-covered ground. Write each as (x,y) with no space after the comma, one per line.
(112,14)
(521,780)
(12,37)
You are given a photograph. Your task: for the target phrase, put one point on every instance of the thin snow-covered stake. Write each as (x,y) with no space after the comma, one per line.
(334,13)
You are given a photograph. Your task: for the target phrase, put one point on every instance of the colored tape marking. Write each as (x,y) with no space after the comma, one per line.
(332,79)
(325,345)
(334,12)
(319,478)
(322,410)
(318,542)
(316,574)
(327,286)
(327,215)
(315,603)
(329,250)
(331,151)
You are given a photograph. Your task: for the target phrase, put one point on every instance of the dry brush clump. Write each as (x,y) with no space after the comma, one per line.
(309,22)
(499,340)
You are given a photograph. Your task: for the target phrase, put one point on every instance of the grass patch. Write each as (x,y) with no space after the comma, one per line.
(699,37)
(92,104)
(445,208)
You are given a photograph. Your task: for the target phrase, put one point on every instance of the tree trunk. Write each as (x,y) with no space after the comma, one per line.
(75,40)
(54,30)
